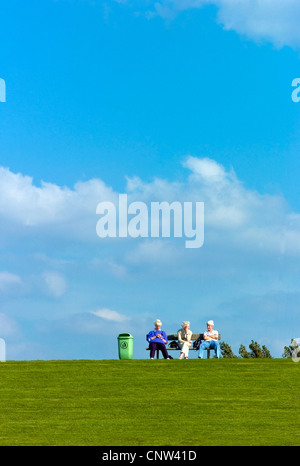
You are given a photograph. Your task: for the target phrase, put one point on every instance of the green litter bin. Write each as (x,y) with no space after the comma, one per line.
(125,344)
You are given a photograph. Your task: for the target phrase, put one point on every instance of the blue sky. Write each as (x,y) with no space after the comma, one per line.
(169,100)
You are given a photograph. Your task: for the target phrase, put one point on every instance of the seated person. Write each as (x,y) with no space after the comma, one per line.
(184,336)
(157,341)
(210,340)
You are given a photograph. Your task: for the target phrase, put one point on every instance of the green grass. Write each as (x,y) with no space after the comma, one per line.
(150,403)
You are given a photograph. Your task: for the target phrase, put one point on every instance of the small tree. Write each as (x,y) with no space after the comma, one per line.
(226,350)
(255,351)
(244,353)
(291,351)
(266,352)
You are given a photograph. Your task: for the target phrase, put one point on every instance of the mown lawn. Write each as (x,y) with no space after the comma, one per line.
(150,403)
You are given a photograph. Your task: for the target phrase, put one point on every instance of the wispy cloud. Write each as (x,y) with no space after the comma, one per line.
(9,281)
(271,20)
(259,220)
(110,315)
(275,21)
(56,283)
(48,205)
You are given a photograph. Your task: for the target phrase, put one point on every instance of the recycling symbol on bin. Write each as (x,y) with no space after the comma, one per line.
(124,345)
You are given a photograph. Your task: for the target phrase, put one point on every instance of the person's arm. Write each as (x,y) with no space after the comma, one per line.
(163,337)
(211,336)
(215,336)
(151,336)
(189,337)
(179,337)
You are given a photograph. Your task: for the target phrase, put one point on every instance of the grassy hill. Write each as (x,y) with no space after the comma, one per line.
(150,403)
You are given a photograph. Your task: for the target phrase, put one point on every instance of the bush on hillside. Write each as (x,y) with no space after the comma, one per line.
(226,350)
(291,351)
(256,351)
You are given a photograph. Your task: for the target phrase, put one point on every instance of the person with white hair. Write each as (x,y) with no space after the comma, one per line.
(210,340)
(184,336)
(158,340)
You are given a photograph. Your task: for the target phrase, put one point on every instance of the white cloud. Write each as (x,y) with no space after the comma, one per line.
(208,169)
(154,252)
(9,280)
(28,205)
(258,221)
(272,20)
(234,215)
(108,314)
(276,21)
(56,283)
(247,213)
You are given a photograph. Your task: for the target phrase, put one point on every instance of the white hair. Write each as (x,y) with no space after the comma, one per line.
(184,323)
(157,322)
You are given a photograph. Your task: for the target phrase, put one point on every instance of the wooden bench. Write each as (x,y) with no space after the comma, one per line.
(174,337)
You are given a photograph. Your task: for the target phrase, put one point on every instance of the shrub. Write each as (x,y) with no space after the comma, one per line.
(256,351)
(226,350)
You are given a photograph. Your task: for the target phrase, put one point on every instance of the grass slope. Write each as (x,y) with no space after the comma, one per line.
(150,403)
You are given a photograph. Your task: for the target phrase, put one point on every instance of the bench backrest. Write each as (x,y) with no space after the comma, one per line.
(194,336)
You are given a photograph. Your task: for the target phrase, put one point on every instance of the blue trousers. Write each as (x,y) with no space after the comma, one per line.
(209,344)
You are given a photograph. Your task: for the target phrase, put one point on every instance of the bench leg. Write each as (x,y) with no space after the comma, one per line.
(208,353)
(157,354)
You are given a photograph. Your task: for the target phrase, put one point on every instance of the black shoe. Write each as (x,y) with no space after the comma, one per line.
(169,357)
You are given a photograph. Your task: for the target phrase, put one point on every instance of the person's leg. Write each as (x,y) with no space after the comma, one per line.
(218,350)
(185,349)
(181,350)
(163,349)
(153,347)
(216,346)
(203,346)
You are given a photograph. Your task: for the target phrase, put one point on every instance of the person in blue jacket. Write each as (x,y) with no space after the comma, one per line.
(158,340)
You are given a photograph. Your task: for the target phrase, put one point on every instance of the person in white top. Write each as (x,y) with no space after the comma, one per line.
(210,340)
(184,336)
